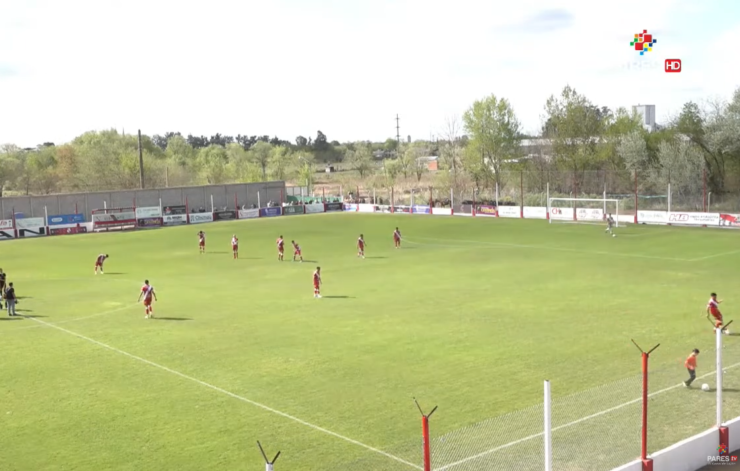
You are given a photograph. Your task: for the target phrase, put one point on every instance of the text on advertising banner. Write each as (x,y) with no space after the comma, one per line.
(180,209)
(32,231)
(562,214)
(589,214)
(652,217)
(67,230)
(693,219)
(315,208)
(729,220)
(29,223)
(6,224)
(149,222)
(249,213)
(197,218)
(291,210)
(420,209)
(509,211)
(224,215)
(485,210)
(65,219)
(271,212)
(350,207)
(149,212)
(175,219)
(334,206)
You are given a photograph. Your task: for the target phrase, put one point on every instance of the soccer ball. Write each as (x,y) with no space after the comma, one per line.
(705,387)
(614,235)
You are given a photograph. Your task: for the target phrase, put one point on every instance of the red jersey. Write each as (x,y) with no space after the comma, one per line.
(713,307)
(100,260)
(316,278)
(397,235)
(202,237)
(148,291)
(280,243)
(234,241)
(297,248)
(360,243)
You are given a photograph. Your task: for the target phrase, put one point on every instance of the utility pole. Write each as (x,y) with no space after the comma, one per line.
(398,132)
(141,162)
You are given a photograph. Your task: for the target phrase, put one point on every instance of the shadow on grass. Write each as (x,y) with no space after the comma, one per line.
(376,257)
(113,273)
(172,318)
(24,297)
(11,318)
(29,315)
(338,297)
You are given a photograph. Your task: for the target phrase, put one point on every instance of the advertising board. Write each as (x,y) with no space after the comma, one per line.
(32,231)
(6,224)
(336,206)
(589,214)
(562,214)
(114,219)
(179,209)
(693,219)
(198,218)
(350,207)
(485,210)
(271,212)
(442,211)
(652,217)
(366,208)
(729,220)
(29,223)
(225,215)
(535,212)
(509,211)
(149,212)
(149,222)
(420,210)
(60,219)
(250,213)
(7,233)
(67,230)
(174,219)
(315,208)
(292,210)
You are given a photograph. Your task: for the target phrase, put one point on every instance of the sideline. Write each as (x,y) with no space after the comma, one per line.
(230,394)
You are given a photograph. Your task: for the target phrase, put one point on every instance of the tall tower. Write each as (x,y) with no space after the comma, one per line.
(398,130)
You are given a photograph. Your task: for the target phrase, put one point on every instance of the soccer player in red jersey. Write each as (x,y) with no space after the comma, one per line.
(235,246)
(296,251)
(317,283)
(281,248)
(713,309)
(99,262)
(361,246)
(202,241)
(397,238)
(147,292)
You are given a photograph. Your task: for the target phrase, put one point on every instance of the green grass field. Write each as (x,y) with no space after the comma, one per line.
(470,315)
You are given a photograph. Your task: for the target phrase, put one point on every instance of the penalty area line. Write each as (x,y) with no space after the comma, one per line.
(575,422)
(230,394)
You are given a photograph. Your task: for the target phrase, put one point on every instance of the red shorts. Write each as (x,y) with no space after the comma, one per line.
(201,244)
(235,248)
(147,301)
(396,239)
(717,315)
(297,252)
(315,286)
(98,264)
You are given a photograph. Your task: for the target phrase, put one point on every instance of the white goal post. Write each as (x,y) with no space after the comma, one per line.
(584,210)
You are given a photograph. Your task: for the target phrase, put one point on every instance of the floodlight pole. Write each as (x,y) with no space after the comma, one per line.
(647,464)
(269,465)
(425,436)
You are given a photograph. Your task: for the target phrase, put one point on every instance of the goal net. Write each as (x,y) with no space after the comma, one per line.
(113,219)
(580,210)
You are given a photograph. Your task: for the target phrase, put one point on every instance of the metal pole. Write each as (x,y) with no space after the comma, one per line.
(521,192)
(669,197)
(496,199)
(548,427)
(719,377)
(636,206)
(643,450)
(141,162)
(547,202)
(259,205)
(212,207)
(704,191)
(425,438)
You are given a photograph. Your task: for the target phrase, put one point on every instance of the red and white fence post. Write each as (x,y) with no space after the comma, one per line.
(426,448)
(647,463)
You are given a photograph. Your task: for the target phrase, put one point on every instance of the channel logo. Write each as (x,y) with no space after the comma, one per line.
(673,65)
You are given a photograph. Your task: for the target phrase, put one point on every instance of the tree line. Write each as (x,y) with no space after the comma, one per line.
(577,137)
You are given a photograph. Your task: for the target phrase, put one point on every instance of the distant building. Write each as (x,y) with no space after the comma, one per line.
(647,116)
(431,161)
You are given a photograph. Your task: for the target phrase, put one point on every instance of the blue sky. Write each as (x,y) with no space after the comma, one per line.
(290,67)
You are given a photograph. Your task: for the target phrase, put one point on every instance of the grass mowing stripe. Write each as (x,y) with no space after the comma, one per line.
(229,393)
(575,422)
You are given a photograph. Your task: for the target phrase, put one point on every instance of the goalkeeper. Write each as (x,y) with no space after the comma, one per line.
(609,224)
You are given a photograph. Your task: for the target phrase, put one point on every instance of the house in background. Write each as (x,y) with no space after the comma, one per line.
(431,161)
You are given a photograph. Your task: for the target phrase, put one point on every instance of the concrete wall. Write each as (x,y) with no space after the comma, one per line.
(196,197)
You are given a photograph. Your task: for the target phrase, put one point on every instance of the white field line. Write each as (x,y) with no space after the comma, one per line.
(714,256)
(231,394)
(575,422)
(75,319)
(544,247)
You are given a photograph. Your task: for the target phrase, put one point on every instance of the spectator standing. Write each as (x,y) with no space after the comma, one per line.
(10,299)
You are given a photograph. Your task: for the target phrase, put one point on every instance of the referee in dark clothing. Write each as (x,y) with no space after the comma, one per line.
(10,299)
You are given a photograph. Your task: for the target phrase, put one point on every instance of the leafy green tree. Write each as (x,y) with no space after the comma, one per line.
(361,160)
(494,132)
(213,162)
(260,155)
(280,163)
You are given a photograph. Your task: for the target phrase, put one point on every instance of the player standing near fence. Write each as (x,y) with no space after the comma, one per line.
(690,365)
(609,224)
